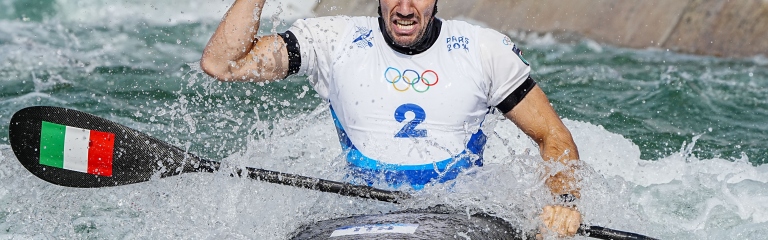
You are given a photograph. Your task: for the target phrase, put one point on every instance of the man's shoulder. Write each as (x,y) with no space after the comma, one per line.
(461,25)
(338,19)
(333,25)
(322,26)
(474,35)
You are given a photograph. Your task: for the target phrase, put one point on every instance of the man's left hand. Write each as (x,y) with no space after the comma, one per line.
(563,220)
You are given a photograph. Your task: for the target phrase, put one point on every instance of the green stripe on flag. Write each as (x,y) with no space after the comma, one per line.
(52,144)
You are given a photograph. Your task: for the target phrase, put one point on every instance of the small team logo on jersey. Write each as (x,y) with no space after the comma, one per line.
(454,43)
(411,79)
(364,38)
(508,41)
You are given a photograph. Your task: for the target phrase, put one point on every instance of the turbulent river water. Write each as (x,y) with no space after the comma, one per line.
(674,144)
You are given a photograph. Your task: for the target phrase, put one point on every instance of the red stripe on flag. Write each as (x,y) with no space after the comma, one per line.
(100,153)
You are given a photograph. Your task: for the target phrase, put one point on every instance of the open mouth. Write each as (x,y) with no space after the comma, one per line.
(404,27)
(405,24)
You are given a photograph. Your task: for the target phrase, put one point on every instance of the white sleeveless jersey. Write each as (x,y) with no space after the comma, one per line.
(408,110)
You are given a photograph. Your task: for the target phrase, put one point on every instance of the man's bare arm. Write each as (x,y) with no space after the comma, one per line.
(538,120)
(234,53)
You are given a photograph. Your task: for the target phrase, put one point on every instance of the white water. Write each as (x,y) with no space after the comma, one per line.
(676,197)
(169,12)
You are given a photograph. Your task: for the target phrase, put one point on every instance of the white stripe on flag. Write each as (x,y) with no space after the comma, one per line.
(76,149)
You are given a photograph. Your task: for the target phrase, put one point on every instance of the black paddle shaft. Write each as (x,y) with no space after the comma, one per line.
(138,157)
(344,189)
(607,233)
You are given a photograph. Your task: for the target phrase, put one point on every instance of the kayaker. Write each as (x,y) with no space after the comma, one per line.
(408,91)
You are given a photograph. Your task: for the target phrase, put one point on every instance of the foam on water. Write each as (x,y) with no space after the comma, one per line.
(157,12)
(100,40)
(677,197)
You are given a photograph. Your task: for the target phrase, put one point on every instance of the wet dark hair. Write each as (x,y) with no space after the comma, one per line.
(434,12)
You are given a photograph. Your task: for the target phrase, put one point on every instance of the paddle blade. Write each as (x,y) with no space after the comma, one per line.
(76,149)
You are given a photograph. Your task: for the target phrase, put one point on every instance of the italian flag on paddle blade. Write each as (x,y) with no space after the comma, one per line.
(76,149)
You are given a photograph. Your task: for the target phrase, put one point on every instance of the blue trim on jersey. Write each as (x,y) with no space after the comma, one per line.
(371,170)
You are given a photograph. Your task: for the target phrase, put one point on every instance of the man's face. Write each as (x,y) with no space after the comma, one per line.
(406,20)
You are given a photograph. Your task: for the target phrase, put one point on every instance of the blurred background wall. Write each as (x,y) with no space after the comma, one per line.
(735,28)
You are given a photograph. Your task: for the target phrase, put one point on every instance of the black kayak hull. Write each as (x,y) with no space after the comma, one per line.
(412,224)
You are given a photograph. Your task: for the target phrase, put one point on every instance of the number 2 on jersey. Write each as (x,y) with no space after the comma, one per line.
(409,130)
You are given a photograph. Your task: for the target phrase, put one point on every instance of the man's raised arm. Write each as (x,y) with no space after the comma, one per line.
(234,53)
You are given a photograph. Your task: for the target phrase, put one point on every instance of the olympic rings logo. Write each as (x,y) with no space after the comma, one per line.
(411,79)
